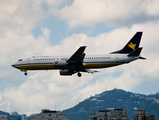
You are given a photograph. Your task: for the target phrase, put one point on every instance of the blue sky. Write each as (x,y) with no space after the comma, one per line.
(59,27)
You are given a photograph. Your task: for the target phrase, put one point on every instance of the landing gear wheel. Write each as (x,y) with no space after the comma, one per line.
(25,73)
(79,74)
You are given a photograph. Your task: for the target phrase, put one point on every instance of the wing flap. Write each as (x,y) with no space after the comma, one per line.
(91,71)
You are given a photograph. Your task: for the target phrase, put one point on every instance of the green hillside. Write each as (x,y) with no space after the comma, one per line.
(115,99)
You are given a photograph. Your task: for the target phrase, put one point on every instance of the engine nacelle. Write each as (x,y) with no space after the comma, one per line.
(60,64)
(66,72)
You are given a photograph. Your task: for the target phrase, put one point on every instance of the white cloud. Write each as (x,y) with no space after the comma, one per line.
(152,8)
(20,16)
(18,19)
(47,89)
(21,45)
(114,12)
(56,3)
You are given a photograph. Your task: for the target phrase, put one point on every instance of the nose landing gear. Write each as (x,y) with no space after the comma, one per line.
(79,74)
(25,73)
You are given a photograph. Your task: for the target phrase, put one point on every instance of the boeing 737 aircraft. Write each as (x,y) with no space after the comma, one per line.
(80,62)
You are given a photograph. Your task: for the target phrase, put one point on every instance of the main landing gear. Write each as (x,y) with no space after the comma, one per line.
(77,71)
(79,74)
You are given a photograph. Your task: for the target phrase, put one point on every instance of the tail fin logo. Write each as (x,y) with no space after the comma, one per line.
(131,45)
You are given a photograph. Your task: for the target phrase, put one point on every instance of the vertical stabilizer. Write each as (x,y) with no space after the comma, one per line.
(132,45)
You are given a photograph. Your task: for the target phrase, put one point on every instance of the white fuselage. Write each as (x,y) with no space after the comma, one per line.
(81,62)
(60,62)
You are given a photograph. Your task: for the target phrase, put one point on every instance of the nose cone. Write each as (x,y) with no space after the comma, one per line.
(13,65)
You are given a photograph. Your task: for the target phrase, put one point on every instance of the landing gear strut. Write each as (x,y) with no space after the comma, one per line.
(25,73)
(79,74)
(77,71)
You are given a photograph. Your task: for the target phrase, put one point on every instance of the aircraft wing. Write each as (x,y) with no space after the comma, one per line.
(78,56)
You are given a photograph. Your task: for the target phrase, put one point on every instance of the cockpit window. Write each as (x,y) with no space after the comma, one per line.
(20,59)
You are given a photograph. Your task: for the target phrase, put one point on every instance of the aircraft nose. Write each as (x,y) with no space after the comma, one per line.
(13,65)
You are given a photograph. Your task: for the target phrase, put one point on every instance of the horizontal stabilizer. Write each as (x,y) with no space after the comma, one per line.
(142,58)
(135,53)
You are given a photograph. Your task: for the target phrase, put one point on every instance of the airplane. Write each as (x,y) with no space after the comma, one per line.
(80,62)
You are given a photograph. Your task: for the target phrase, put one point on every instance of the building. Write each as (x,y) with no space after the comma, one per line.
(116,114)
(24,117)
(14,116)
(14,113)
(50,115)
(3,117)
(142,115)
(101,115)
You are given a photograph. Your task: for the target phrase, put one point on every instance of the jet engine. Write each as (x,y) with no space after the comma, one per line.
(66,72)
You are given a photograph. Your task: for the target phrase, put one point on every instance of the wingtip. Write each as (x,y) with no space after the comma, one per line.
(84,46)
(139,31)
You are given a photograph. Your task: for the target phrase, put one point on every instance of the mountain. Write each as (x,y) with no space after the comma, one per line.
(115,99)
